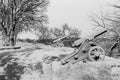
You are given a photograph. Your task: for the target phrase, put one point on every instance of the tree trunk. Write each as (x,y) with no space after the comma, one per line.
(6,40)
(9,40)
(12,38)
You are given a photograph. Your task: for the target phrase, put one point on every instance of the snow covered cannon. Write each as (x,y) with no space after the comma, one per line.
(86,49)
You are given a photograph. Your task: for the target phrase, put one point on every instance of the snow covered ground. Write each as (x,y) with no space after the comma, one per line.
(37,69)
(56,71)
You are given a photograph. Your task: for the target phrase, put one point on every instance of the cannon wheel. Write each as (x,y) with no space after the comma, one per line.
(96,53)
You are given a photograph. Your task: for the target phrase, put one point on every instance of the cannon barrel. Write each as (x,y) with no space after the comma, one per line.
(100,33)
(96,34)
(60,39)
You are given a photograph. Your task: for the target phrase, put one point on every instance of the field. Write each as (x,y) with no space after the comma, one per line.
(42,62)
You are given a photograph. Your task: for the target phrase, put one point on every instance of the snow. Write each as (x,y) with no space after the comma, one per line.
(33,76)
(51,69)
(27,35)
(38,55)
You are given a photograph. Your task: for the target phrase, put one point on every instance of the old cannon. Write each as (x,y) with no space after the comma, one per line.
(86,49)
(66,40)
(58,42)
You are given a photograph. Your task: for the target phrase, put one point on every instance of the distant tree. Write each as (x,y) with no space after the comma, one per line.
(19,15)
(65,28)
(72,32)
(44,32)
(75,33)
(57,32)
(51,35)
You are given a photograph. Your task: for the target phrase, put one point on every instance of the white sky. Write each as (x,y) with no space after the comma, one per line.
(75,12)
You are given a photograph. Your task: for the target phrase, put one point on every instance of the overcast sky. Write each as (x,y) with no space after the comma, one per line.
(75,12)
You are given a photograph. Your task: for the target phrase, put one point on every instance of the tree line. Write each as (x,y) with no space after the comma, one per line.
(55,33)
(23,15)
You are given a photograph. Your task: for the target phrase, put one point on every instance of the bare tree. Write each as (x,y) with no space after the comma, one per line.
(65,28)
(105,21)
(75,33)
(44,32)
(58,32)
(111,21)
(19,15)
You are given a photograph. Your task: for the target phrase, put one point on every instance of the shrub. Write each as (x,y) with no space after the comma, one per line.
(13,70)
(88,77)
(39,67)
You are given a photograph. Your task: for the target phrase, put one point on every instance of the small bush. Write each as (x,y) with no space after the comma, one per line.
(12,69)
(88,77)
(39,67)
